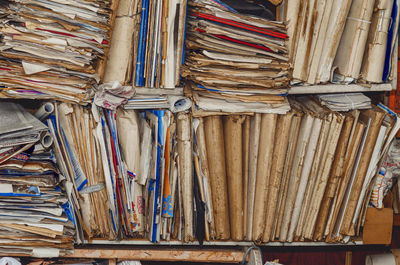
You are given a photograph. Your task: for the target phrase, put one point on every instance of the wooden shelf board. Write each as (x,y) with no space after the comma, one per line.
(335,88)
(163,254)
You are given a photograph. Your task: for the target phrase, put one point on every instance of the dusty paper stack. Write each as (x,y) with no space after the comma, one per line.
(147,164)
(234,57)
(171,99)
(147,43)
(301,176)
(34,209)
(314,30)
(147,51)
(155,175)
(346,37)
(345,101)
(53,49)
(364,42)
(131,173)
(78,155)
(160,43)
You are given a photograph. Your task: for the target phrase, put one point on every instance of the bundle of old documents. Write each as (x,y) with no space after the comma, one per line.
(147,43)
(242,162)
(34,209)
(159,40)
(304,175)
(53,49)
(345,101)
(78,154)
(342,40)
(233,56)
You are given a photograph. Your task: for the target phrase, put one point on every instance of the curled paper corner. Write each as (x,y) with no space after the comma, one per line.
(34,68)
(179,104)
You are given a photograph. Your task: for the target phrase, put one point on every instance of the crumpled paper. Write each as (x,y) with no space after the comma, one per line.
(113,94)
(9,261)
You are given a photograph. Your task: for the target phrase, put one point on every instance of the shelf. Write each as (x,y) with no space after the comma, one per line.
(217,243)
(335,88)
(166,254)
(307,89)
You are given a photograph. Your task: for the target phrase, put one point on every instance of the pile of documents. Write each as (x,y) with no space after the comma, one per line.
(355,39)
(171,99)
(33,207)
(235,57)
(78,155)
(53,49)
(148,172)
(160,40)
(147,43)
(301,176)
(345,101)
(298,176)
(123,168)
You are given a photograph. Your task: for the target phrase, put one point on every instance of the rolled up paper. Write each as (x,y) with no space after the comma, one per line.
(120,54)
(234,171)
(178,104)
(44,111)
(266,146)
(255,124)
(186,172)
(279,155)
(216,165)
(46,140)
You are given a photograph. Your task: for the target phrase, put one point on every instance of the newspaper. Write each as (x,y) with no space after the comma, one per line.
(18,126)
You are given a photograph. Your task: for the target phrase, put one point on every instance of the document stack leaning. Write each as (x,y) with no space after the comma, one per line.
(36,215)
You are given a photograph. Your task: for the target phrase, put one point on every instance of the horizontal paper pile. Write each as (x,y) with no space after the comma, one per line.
(33,208)
(345,102)
(53,49)
(235,57)
(171,99)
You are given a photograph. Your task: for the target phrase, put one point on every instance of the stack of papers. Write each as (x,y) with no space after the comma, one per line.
(345,102)
(159,35)
(53,49)
(156,175)
(171,99)
(33,209)
(18,127)
(341,41)
(236,56)
(147,103)
(78,155)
